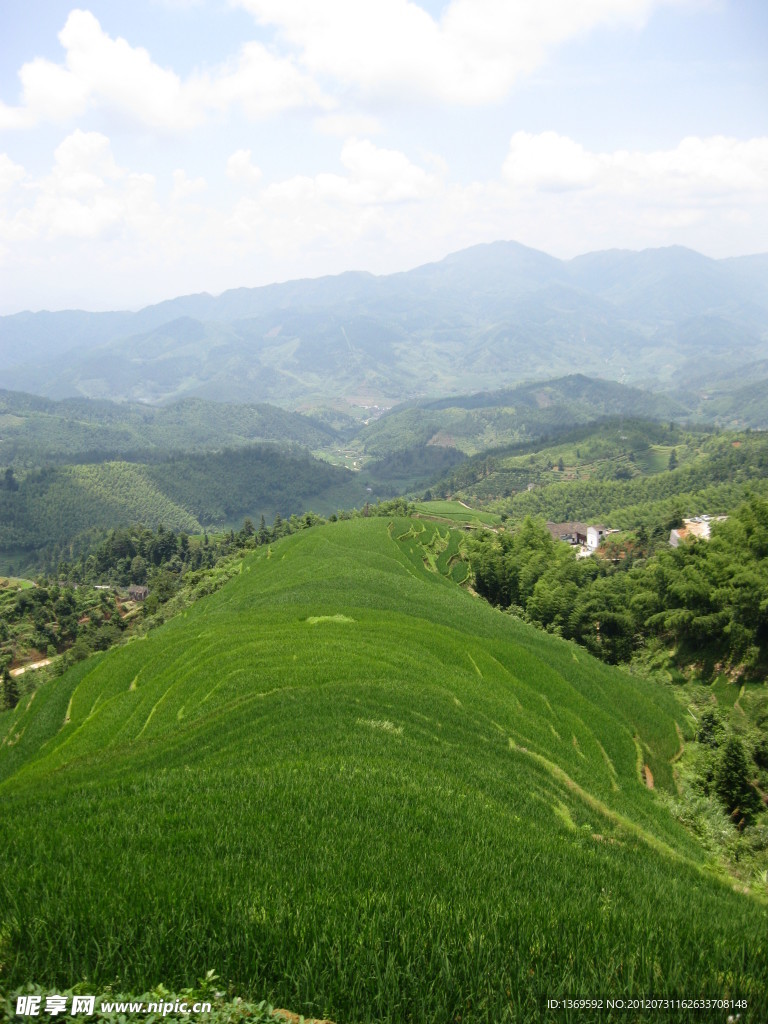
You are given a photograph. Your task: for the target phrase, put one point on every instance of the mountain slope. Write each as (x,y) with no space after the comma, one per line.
(38,431)
(492,419)
(488,316)
(344,783)
(50,507)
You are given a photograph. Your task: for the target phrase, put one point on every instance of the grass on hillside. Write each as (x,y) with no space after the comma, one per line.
(457,512)
(15,583)
(351,788)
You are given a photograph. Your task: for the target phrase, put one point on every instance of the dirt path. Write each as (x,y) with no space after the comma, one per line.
(648,776)
(681,751)
(34,664)
(293,1018)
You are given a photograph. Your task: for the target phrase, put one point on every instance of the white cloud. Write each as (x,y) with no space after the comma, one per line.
(548,160)
(111,75)
(241,168)
(106,235)
(10,173)
(184,187)
(345,125)
(473,54)
(376,178)
(260,82)
(696,168)
(384,175)
(86,195)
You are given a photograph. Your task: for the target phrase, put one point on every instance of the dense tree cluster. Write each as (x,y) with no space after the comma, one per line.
(43,514)
(698,596)
(705,601)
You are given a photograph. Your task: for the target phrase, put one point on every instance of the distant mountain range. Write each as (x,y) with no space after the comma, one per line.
(486,317)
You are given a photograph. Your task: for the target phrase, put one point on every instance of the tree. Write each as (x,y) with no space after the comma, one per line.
(732,777)
(672,464)
(10,690)
(139,570)
(710,729)
(761,753)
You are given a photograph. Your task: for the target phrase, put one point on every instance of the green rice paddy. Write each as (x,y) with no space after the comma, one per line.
(457,512)
(351,788)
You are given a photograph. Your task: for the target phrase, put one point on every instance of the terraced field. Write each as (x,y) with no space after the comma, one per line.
(350,787)
(457,512)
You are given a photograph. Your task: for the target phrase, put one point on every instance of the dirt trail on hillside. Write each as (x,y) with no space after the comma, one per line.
(35,664)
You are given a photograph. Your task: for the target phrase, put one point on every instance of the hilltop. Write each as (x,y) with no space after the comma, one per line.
(350,787)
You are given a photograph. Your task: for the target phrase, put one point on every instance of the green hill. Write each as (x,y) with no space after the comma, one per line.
(625,473)
(350,787)
(47,509)
(37,431)
(493,419)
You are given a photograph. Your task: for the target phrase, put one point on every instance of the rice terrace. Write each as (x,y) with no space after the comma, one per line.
(348,786)
(383,512)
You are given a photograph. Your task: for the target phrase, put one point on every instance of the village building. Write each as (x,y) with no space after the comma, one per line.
(571,532)
(595,536)
(582,535)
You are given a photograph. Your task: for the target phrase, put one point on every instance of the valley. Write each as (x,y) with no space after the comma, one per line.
(294,655)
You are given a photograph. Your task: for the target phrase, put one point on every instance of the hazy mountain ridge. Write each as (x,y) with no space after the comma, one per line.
(486,316)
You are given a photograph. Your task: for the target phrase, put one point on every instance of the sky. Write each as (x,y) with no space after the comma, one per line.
(163,147)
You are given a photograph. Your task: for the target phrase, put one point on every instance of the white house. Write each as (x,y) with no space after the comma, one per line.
(595,534)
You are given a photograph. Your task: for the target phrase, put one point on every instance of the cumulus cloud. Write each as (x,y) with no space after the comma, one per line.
(109,234)
(112,75)
(472,54)
(184,186)
(260,82)
(86,195)
(345,125)
(696,167)
(375,178)
(10,173)
(241,168)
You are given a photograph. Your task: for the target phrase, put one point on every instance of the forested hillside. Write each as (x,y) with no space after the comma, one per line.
(704,603)
(37,431)
(526,413)
(44,512)
(625,473)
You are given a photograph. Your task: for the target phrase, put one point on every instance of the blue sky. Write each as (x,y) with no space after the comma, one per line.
(168,146)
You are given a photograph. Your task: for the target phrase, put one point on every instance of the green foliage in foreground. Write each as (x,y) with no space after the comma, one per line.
(119,1007)
(357,791)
